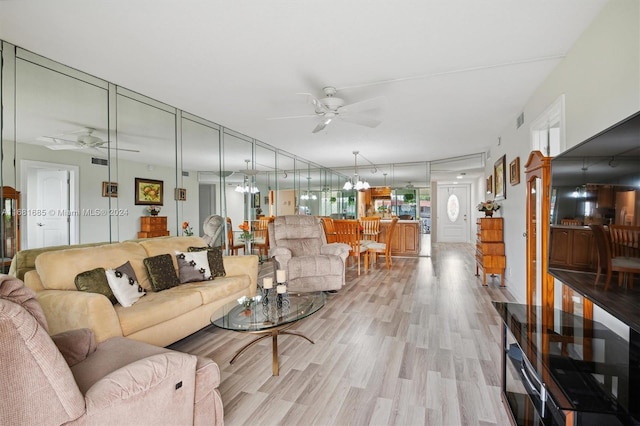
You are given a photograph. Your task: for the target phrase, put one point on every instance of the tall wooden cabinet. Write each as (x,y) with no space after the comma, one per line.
(153,226)
(490,248)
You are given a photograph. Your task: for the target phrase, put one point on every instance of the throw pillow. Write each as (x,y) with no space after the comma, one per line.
(162,273)
(125,289)
(193,266)
(214,256)
(95,281)
(127,269)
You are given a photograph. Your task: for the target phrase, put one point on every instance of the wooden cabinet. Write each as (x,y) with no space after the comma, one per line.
(405,240)
(153,226)
(572,248)
(490,248)
(10,229)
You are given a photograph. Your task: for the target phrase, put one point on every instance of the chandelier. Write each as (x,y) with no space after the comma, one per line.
(245,187)
(360,184)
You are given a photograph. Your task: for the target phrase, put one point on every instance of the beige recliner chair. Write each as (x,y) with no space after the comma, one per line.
(68,379)
(299,246)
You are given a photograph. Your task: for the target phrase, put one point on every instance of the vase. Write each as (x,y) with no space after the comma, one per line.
(154,213)
(488,213)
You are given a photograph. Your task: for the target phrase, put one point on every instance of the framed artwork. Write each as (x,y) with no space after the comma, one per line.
(514,171)
(181,194)
(109,189)
(499,178)
(148,192)
(490,185)
(256,200)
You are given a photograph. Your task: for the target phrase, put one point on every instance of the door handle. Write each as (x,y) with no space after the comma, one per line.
(40,224)
(465,217)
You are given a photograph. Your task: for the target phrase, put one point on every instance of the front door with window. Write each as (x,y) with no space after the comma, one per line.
(453,213)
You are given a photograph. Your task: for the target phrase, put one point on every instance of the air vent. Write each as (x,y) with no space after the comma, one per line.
(185,174)
(99,161)
(520,120)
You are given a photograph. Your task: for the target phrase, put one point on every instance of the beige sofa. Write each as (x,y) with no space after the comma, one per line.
(159,318)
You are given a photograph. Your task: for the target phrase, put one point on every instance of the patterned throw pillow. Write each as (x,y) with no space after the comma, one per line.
(161,272)
(193,266)
(95,281)
(214,255)
(124,285)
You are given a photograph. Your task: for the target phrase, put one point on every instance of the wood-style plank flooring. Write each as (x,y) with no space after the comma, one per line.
(418,344)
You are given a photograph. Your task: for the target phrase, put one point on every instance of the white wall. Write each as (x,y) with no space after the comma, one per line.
(126,226)
(600,78)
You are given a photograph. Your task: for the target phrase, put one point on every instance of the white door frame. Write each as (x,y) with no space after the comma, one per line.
(27,168)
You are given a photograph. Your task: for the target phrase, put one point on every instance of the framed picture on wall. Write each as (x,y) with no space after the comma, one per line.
(109,189)
(514,171)
(181,194)
(148,192)
(489,185)
(499,177)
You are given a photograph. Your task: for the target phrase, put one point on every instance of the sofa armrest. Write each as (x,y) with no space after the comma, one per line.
(164,380)
(336,249)
(69,310)
(75,345)
(243,265)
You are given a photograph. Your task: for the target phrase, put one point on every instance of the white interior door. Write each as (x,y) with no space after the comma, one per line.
(52,226)
(453,213)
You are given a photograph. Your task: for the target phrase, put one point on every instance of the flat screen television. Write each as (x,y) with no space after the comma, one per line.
(598,181)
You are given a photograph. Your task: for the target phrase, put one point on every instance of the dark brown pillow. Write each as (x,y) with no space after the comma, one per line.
(95,281)
(214,256)
(161,272)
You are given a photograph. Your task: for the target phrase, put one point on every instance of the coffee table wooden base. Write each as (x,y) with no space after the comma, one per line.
(274,333)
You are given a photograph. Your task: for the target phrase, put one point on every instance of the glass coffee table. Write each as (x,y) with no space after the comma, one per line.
(268,315)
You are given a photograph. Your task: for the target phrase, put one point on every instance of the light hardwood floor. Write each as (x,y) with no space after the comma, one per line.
(415,345)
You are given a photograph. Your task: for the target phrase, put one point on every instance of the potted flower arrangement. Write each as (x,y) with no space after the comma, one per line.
(187,229)
(153,210)
(246,235)
(488,207)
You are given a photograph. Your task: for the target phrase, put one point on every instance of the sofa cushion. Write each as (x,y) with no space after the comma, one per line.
(162,274)
(193,266)
(169,245)
(214,255)
(95,281)
(211,291)
(125,289)
(58,269)
(156,308)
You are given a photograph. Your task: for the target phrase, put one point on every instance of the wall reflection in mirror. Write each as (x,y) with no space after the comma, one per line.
(75,145)
(598,181)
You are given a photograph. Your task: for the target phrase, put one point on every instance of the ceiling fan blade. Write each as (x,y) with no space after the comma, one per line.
(367,105)
(64,147)
(292,116)
(361,120)
(322,125)
(56,140)
(119,149)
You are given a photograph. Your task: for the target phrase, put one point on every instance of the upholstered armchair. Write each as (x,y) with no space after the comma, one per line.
(299,246)
(69,379)
(213,228)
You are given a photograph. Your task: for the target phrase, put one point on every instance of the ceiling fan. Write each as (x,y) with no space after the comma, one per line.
(85,140)
(331,107)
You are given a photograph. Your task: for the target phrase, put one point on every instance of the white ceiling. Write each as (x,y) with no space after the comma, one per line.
(454,73)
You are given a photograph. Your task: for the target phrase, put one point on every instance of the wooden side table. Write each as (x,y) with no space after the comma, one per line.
(153,226)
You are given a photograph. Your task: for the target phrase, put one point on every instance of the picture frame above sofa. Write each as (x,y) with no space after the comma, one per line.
(149,192)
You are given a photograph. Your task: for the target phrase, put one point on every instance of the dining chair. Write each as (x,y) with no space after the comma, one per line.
(606,260)
(233,247)
(329,229)
(261,235)
(376,248)
(370,229)
(348,232)
(625,240)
